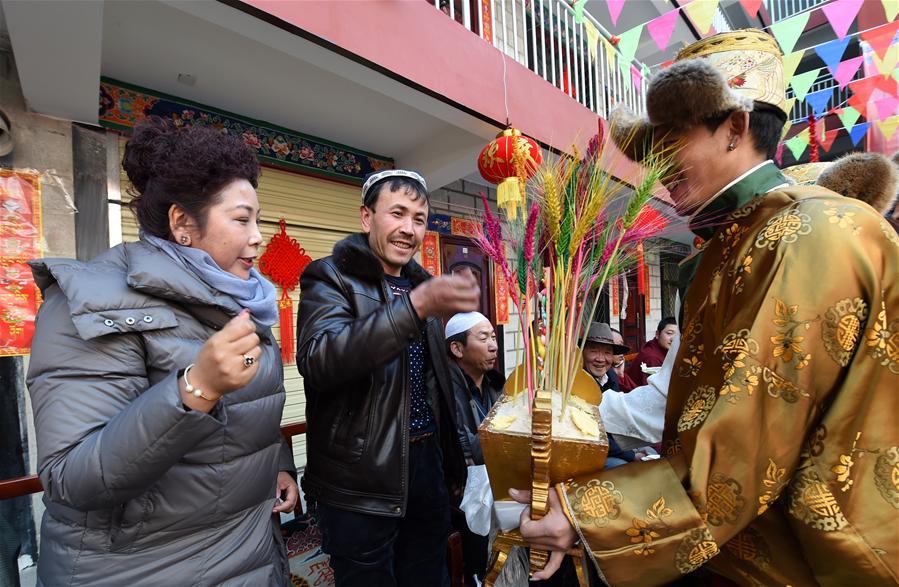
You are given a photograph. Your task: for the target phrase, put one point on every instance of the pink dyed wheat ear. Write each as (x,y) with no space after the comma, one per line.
(491,223)
(530,233)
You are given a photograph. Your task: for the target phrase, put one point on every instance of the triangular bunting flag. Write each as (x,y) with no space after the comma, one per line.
(752,6)
(797,146)
(862,88)
(888,85)
(828,139)
(615,7)
(610,53)
(701,12)
(832,51)
(790,103)
(637,79)
(787,31)
(627,46)
(786,129)
(579,11)
(887,65)
(841,13)
(847,70)
(819,100)
(859,104)
(858,131)
(888,126)
(592,38)
(848,116)
(886,107)
(881,38)
(890,9)
(661,28)
(791,62)
(802,82)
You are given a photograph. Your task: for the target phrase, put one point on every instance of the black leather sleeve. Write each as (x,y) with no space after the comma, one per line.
(334,344)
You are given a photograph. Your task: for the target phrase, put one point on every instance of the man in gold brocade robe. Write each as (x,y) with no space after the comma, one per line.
(781,438)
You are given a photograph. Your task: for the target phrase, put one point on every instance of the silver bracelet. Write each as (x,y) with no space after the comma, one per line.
(196,391)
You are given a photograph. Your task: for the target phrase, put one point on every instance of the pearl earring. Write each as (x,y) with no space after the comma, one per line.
(185,240)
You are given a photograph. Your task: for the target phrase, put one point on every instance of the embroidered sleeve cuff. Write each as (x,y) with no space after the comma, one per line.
(639,509)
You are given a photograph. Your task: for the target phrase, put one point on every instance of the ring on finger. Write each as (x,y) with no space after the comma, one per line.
(248,361)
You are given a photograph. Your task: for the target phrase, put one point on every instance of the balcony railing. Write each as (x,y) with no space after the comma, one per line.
(543,36)
(784,9)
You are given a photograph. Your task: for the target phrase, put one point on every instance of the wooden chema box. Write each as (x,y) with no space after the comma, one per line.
(507,454)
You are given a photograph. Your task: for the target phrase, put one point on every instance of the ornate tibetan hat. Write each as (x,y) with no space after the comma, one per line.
(722,73)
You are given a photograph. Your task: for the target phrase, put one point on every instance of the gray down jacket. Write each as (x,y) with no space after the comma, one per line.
(140,490)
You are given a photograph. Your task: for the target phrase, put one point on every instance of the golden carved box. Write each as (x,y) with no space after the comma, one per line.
(507,454)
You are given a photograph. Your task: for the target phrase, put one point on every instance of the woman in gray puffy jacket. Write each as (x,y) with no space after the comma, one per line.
(158,388)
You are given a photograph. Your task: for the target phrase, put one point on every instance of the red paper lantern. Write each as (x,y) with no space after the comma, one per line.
(508,161)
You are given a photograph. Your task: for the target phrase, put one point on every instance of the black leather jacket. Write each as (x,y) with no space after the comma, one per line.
(468,414)
(352,336)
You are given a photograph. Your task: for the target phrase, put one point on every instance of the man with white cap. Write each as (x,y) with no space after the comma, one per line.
(781,444)
(471,347)
(384,463)
(471,344)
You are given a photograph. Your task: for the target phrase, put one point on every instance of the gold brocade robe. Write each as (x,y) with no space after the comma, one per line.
(782,440)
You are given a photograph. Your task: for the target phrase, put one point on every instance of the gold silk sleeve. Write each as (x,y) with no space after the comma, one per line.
(769,352)
(639,523)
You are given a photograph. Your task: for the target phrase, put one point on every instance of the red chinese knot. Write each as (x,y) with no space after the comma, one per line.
(284,260)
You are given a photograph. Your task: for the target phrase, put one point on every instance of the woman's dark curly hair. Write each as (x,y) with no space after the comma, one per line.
(186,166)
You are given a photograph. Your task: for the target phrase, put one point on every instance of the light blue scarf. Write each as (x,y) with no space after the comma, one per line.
(255,294)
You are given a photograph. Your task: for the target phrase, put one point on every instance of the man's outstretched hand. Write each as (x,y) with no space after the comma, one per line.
(552,532)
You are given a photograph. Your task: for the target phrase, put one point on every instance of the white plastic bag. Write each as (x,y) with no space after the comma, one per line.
(477,501)
(509,514)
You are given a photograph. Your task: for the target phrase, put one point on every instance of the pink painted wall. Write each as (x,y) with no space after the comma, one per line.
(419,43)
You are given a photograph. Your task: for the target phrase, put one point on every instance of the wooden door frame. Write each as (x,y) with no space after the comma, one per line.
(464,241)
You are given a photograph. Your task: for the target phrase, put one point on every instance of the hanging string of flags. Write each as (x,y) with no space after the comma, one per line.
(874,97)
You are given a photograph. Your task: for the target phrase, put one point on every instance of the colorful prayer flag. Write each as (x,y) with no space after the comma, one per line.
(803,82)
(847,70)
(832,51)
(819,100)
(615,7)
(848,116)
(790,63)
(661,28)
(787,31)
(858,131)
(701,12)
(841,14)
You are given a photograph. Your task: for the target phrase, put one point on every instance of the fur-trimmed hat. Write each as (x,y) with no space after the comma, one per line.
(869,177)
(722,73)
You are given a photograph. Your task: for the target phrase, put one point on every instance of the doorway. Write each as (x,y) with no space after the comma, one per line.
(457,253)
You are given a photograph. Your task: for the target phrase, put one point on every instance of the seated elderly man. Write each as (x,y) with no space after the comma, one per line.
(600,349)
(599,356)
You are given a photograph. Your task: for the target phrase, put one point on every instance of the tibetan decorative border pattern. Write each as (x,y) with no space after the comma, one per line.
(123,105)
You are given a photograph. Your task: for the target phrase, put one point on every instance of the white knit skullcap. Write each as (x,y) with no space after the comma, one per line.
(462,322)
(376,177)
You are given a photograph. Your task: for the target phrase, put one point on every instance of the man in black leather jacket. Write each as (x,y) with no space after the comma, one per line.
(384,461)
